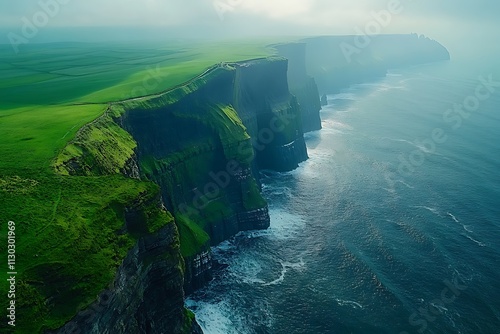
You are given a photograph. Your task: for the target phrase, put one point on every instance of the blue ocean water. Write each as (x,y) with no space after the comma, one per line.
(391,226)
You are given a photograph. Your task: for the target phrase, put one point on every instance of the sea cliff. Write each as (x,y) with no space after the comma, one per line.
(202,144)
(200,147)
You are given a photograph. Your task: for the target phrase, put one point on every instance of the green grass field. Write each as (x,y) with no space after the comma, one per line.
(99,74)
(66,239)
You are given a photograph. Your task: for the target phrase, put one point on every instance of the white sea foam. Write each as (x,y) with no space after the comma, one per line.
(392,74)
(336,125)
(387,87)
(351,303)
(467,228)
(340,125)
(453,217)
(279,190)
(284,225)
(433,210)
(246,269)
(439,307)
(280,279)
(419,147)
(341,96)
(398,140)
(214,317)
(285,266)
(390,190)
(406,184)
(472,239)
(223,248)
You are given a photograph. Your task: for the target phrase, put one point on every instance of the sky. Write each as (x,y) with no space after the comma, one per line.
(149,19)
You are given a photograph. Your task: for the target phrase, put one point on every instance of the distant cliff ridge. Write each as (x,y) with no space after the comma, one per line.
(200,146)
(339,61)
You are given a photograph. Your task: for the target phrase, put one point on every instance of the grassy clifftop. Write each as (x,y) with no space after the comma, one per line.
(69,228)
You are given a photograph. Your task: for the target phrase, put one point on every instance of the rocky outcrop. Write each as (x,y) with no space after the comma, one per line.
(324,100)
(131,168)
(254,220)
(198,270)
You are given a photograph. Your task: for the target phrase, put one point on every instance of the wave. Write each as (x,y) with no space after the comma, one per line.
(455,219)
(398,140)
(333,124)
(222,317)
(277,191)
(216,318)
(285,266)
(406,184)
(374,88)
(279,279)
(284,225)
(466,228)
(420,147)
(341,96)
(248,266)
(246,269)
(331,127)
(441,308)
(433,210)
(474,240)
(354,304)
(390,190)
(387,87)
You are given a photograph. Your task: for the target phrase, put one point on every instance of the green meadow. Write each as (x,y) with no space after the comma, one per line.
(67,243)
(97,73)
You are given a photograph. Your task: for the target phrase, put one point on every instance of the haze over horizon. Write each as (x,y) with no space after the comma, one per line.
(114,20)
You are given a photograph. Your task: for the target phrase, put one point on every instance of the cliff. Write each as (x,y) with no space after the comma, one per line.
(301,84)
(203,144)
(339,61)
(185,164)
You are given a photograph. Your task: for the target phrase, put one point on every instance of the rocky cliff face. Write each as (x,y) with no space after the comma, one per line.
(302,85)
(271,115)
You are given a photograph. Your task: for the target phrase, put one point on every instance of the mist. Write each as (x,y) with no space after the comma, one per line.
(119,20)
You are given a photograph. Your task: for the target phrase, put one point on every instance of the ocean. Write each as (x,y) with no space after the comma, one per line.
(391,226)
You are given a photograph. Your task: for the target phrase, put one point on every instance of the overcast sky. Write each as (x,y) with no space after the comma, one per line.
(220,18)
